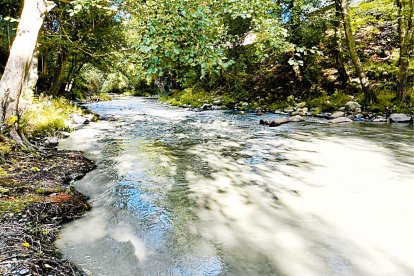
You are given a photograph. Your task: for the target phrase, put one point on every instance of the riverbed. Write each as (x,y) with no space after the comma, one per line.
(178,192)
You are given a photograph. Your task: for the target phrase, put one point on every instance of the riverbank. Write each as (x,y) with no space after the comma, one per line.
(36,194)
(328,107)
(36,198)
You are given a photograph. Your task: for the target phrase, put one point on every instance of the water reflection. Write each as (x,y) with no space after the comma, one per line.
(211,193)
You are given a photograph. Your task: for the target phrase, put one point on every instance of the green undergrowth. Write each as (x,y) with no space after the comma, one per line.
(47,115)
(373,12)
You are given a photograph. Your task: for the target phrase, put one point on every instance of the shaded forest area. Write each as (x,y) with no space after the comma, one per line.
(251,55)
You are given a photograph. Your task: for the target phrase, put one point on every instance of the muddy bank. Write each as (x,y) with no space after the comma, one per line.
(36,198)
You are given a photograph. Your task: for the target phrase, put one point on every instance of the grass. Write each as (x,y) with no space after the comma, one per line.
(47,115)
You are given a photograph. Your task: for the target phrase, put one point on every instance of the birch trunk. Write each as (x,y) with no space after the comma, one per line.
(17,71)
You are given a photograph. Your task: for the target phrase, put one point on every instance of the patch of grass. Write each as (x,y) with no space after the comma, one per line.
(15,204)
(48,115)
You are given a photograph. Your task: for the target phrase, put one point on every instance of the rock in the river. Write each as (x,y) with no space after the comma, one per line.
(279,122)
(352,106)
(337,114)
(296,118)
(340,120)
(263,122)
(400,118)
(207,106)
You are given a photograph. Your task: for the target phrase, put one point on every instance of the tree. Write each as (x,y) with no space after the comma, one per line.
(343,7)
(16,74)
(186,41)
(406,42)
(73,36)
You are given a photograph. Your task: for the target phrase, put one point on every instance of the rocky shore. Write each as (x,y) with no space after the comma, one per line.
(352,111)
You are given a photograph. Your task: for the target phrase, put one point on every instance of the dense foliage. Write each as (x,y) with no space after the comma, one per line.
(256,51)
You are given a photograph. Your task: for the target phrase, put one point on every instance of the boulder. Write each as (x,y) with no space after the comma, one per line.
(289,109)
(337,114)
(400,118)
(207,106)
(352,106)
(302,111)
(340,120)
(296,118)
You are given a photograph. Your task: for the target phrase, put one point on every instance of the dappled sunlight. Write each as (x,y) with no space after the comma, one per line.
(345,188)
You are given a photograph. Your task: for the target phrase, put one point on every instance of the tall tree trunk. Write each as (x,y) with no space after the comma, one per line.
(338,53)
(15,76)
(406,33)
(343,6)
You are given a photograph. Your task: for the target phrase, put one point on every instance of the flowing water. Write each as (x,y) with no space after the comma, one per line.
(213,193)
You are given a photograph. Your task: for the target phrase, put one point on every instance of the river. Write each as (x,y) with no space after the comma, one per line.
(178,192)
